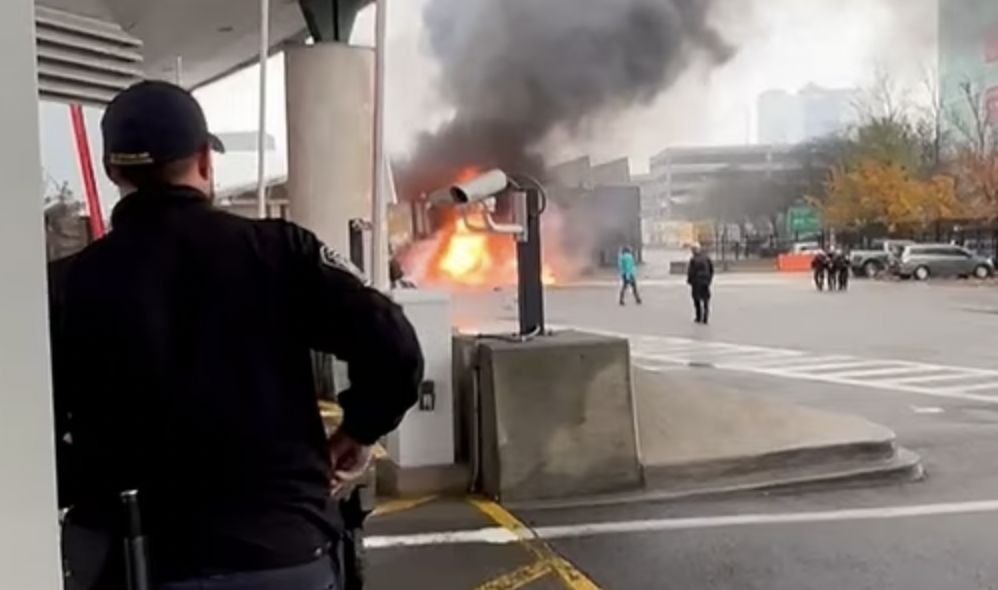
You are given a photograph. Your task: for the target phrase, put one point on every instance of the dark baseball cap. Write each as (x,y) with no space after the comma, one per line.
(154,122)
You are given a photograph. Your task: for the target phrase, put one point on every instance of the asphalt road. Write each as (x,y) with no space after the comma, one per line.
(940,534)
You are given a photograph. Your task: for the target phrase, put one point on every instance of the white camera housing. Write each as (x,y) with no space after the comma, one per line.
(477,195)
(482,187)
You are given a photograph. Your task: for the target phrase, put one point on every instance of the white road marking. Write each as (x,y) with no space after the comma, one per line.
(893,370)
(853,364)
(487,536)
(975,387)
(927,410)
(884,374)
(945,374)
(497,535)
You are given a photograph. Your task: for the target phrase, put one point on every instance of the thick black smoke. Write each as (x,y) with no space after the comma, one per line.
(516,70)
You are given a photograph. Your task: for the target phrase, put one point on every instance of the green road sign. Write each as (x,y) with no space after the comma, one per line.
(803,219)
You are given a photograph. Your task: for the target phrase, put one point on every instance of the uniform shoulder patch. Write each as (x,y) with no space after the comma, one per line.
(334,259)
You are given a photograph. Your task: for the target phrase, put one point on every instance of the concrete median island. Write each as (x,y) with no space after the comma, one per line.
(699,438)
(565,419)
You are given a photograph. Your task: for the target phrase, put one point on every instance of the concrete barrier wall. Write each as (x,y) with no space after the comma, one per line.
(555,416)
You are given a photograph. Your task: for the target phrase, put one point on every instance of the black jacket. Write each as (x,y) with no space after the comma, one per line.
(181,354)
(699,271)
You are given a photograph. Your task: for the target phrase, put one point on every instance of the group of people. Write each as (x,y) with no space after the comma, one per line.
(831,270)
(183,390)
(699,277)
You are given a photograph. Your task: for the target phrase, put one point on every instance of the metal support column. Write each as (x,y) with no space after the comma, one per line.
(529,266)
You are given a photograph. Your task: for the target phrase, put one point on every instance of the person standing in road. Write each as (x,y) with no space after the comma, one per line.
(820,269)
(699,276)
(832,270)
(840,266)
(628,274)
(182,354)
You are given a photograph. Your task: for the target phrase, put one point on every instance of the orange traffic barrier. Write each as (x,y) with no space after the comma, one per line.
(794,262)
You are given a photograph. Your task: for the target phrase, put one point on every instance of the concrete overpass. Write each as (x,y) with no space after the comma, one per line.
(88,49)
(84,51)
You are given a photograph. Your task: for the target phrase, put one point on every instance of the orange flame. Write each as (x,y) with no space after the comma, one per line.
(474,258)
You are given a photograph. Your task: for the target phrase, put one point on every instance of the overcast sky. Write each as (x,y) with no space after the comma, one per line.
(783,44)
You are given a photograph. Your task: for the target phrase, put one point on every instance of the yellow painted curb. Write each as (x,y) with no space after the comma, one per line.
(570,576)
(518,578)
(401,505)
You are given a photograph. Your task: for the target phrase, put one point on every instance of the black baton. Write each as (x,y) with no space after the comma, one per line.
(136,556)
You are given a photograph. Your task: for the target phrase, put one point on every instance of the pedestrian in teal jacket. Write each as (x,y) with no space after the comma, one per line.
(628,274)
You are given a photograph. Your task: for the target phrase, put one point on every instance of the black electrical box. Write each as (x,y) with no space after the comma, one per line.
(427,396)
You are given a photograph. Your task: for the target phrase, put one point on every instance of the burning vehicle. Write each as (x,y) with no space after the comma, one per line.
(518,73)
(448,247)
(582,230)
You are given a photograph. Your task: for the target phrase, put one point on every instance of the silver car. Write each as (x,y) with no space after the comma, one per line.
(921,261)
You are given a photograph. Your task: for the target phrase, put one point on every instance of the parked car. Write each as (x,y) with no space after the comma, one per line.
(921,261)
(872,262)
(805,248)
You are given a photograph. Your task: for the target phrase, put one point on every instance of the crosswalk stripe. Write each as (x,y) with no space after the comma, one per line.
(976,387)
(950,374)
(833,366)
(883,374)
(886,371)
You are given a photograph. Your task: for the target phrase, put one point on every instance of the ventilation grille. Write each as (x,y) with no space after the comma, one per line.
(84,60)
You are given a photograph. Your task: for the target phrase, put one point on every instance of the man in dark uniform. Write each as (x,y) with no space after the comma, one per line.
(699,276)
(182,355)
(820,267)
(840,268)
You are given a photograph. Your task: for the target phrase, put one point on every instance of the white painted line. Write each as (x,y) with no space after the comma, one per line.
(900,368)
(743,352)
(905,384)
(952,374)
(975,387)
(661,367)
(927,410)
(757,359)
(832,367)
(498,535)
(671,349)
(786,359)
(891,386)
(489,536)
(806,360)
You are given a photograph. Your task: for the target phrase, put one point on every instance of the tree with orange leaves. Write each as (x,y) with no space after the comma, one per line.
(872,191)
(886,172)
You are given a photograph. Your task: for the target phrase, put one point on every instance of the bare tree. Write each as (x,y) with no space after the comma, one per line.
(975,150)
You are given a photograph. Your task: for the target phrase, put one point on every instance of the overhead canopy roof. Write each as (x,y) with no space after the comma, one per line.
(211,38)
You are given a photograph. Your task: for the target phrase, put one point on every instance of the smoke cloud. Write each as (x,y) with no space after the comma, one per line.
(516,71)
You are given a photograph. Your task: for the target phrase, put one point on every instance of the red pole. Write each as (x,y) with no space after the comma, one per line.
(87,170)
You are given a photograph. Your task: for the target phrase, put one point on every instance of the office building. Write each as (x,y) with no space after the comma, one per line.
(968,58)
(813,112)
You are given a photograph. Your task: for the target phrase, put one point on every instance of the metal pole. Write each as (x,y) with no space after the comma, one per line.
(86,161)
(261,142)
(356,238)
(178,71)
(529,269)
(379,202)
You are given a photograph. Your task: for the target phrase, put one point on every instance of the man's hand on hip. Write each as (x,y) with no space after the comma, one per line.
(350,460)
